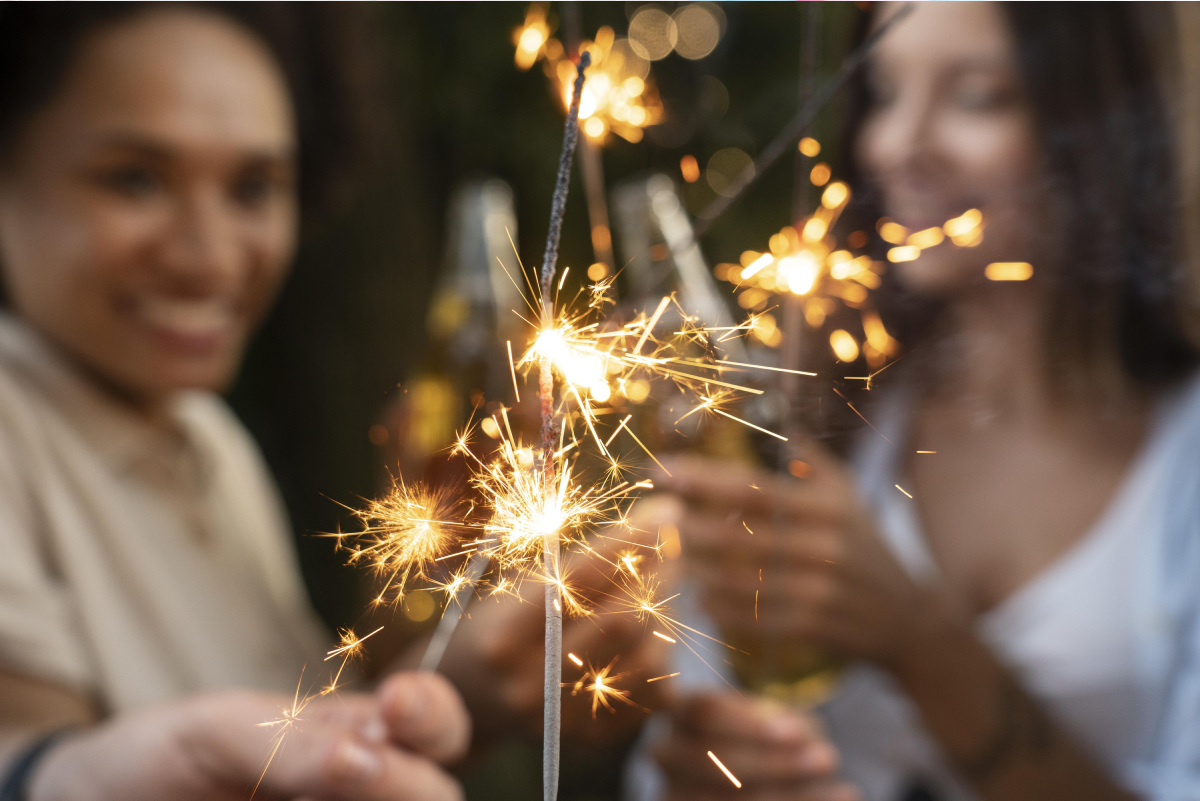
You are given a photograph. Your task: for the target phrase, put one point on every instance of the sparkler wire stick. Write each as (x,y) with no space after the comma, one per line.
(450,618)
(552,690)
(804,118)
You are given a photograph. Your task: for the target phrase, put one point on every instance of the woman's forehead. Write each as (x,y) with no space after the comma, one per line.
(950,34)
(178,76)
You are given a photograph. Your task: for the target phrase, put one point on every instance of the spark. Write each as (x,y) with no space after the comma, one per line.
(660,678)
(728,774)
(662,636)
(350,646)
(601,685)
(902,489)
(578,662)
(513,371)
(861,416)
(289,717)
(404,534)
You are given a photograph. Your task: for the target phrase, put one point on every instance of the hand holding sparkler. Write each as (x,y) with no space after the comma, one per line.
(496,657)
(210,748)
(758,750)
(835,583)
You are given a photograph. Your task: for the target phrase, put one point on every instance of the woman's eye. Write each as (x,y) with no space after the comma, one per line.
(252,191)
(972,96)
(255,189)
(133,181)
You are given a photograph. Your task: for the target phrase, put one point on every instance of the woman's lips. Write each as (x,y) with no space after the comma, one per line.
(196,325)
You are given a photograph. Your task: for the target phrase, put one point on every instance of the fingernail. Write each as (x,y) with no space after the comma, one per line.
(816,759)
(375,731)
(783,728)
(356,764)
(407,702)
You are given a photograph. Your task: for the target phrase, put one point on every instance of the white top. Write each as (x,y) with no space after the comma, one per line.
(138,563)
(1107,637)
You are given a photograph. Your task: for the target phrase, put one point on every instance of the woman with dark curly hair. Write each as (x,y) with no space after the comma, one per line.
(153,164)
(1010,566)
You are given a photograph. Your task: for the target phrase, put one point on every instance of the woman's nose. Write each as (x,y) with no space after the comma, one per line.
(202,247)
(901,136)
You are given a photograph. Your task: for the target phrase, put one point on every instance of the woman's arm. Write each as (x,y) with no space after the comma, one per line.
(214,747)
(843,590)
(997,735)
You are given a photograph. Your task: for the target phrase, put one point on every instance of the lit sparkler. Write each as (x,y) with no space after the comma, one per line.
(807,263)
(620,96)
(599,362)
(403,535)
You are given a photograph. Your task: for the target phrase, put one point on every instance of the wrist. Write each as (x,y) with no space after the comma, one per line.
(24,779)
(935,634)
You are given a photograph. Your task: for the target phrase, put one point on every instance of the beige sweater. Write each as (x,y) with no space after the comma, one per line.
(139,563)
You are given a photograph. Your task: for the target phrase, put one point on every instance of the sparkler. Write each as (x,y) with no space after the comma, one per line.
(552,710)
(403,535)
(596,362)
(619,97)
(531,504)
(806,264)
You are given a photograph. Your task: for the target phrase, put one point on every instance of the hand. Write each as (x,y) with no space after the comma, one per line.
(496,656)
(774,752)
(794,559)
(211,747)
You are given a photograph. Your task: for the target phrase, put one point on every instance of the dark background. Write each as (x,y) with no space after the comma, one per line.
(349,328)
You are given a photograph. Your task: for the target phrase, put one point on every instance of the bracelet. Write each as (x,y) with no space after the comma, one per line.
(15,786)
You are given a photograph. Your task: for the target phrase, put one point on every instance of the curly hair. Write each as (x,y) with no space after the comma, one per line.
(1120,302)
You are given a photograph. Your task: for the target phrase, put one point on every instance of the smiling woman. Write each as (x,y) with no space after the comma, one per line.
(1008,565)
(149,599)
(147,217)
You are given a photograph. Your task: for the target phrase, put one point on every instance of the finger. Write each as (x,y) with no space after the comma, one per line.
(821,495)
(327,764)
(755,765)
(423,712)
(821,791)
(762,542)
(735,717)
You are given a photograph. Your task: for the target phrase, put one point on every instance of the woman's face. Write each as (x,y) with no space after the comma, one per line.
(948,129)
(148,211)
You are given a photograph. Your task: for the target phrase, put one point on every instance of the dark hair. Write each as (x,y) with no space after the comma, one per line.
(1095,75)
(311,42)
